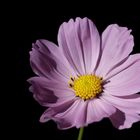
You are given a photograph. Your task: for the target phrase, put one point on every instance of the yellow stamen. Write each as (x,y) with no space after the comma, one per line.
(86,86)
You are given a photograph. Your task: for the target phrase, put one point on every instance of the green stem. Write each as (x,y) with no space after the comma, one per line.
(80,133)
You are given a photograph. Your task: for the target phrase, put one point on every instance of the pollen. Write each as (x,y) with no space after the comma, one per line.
(86,86)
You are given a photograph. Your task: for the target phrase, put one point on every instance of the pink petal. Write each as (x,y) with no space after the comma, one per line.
(125,79)
(129,106)
(98,109)
(50,93)
(74,116)
(129,120)
(66,116)
(79,113)
(80,43)
(47,59)
(51,112)
(122,121)
(117,44)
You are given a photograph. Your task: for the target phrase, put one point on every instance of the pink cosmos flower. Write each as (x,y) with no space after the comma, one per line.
(87,77)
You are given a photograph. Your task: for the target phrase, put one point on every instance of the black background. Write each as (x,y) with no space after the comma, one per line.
(27,111)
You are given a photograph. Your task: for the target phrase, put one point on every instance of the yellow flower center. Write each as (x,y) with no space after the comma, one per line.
(86,86)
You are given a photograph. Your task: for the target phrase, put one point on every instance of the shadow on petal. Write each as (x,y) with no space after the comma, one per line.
(118,118)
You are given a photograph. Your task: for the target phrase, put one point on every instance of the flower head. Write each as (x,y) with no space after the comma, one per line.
(87,77)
